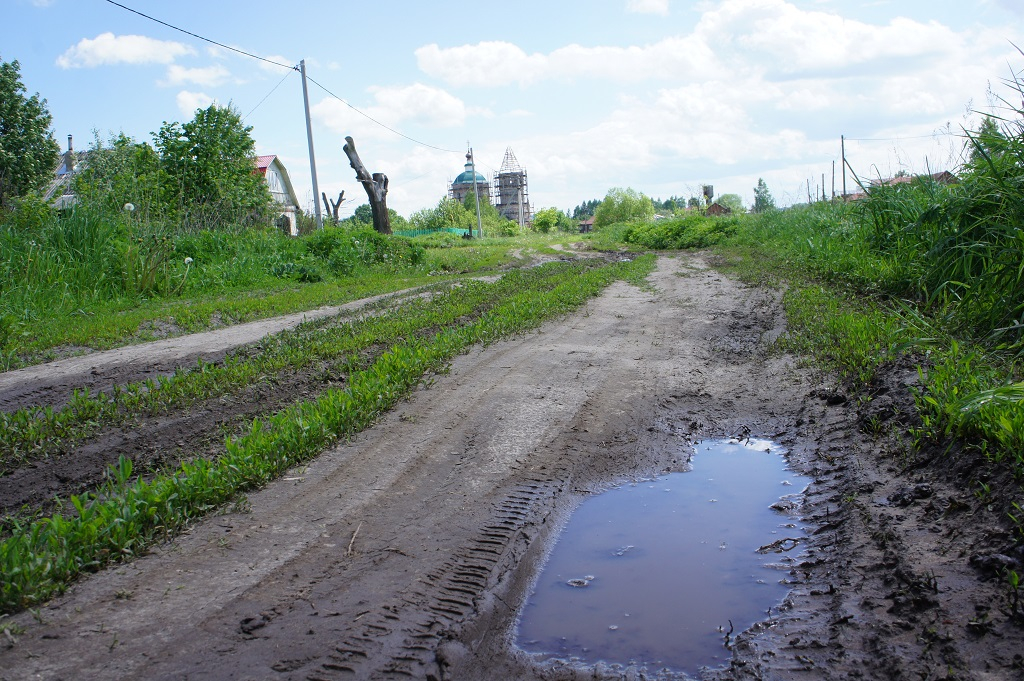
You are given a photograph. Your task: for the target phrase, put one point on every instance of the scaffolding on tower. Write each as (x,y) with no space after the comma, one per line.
(511,193)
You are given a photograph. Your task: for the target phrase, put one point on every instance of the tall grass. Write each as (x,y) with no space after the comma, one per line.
(942,269)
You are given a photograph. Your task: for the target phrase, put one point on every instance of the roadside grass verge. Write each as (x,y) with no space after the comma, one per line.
(94,281)
(128,513)
(853,306)
(339,346)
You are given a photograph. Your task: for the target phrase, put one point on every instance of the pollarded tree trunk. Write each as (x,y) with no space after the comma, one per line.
(376,187)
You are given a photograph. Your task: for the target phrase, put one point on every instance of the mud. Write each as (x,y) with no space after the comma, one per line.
(407,552)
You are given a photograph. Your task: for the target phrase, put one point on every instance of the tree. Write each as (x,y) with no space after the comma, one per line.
(546,220)
(448,214)
(623,205)
(987,141)
(119,172)
(763,200)
(376,186)
(585,209)
(207,168)
(363,214)
(733,202)
(28,152)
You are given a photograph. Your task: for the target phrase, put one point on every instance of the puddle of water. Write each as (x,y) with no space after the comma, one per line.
(648,572)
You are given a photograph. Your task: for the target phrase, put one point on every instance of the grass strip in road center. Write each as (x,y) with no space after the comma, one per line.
(41,557)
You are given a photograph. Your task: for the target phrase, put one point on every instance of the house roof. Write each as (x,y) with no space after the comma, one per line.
(263,162)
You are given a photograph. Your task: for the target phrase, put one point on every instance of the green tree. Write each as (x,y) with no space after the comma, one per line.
(585,209)
(363,215)
(546,220)
(207,169)
(763,199)
(988,140)
(733,202)
(119,172)
(623,205)
(28,152)
(448,214)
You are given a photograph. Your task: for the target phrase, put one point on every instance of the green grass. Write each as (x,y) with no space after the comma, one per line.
(91,281)
(119,520)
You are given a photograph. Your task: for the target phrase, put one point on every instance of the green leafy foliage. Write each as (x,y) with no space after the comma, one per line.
(763,199)
(690,231)
(207,173)
(623,205)
(119,520)
(28,152)
(120,172)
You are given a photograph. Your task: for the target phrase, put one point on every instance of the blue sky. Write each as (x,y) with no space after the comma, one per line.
(659,95)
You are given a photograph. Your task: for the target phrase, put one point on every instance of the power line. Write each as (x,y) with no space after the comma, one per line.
(267,95)
(195,35)
(897,139)
(287,66)
(368,116)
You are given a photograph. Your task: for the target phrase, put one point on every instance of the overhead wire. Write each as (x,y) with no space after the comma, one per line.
(897,139)
(196,35)
(386,127)
(291,67)
(267,96)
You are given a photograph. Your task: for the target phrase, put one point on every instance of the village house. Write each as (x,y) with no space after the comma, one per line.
(60,191)
(280,185)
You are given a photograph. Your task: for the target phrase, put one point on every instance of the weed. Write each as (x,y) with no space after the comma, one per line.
(118,520)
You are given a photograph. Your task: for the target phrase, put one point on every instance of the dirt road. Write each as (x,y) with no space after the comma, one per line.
(407,551)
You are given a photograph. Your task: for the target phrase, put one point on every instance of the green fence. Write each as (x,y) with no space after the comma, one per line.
(421,232)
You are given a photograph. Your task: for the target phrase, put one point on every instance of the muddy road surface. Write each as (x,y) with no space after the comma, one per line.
(407,551)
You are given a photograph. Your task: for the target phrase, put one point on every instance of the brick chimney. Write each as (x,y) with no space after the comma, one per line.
(69,157)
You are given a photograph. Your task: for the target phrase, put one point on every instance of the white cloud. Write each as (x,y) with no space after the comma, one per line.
(108,48)
(772,37)
(427,106)
(208,76)
(188,102)
(648,6)
(496,63)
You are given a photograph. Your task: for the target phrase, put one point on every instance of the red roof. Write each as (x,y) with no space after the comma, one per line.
(263,162)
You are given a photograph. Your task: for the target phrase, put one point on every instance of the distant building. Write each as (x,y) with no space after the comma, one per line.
(945,178)
(511,193)
(462,186)
(587,225)
(59,190)
(280,186)
(718,209)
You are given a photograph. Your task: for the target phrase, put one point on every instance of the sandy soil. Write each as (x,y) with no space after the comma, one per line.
(406,552)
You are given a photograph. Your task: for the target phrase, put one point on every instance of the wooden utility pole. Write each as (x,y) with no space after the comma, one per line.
(376,187)
(309,138)
(476,196)
(842,143)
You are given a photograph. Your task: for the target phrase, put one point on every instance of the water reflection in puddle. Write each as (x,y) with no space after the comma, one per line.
(647,573)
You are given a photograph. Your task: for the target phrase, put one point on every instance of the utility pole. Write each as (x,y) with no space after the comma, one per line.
(476,194)
(833,180)
(309,138)
(842,143)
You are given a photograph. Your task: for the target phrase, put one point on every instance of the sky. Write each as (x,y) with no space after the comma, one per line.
(663,96)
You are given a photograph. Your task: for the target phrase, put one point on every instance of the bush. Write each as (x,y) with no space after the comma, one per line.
(690,231)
